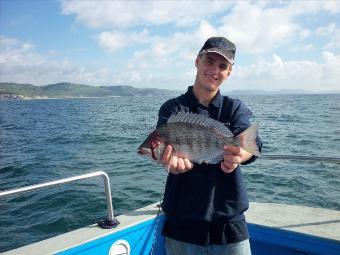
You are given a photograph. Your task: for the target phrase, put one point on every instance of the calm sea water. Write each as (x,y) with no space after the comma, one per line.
(44,140)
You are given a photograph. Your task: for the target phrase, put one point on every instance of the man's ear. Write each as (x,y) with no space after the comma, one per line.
(197,61)
(230,69)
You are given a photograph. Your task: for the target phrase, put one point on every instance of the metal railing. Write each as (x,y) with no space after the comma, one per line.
(301,157)
(105,177)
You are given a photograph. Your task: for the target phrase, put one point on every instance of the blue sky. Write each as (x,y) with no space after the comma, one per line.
(280,44)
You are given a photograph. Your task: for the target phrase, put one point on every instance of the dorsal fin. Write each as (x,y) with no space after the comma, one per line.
(201,120)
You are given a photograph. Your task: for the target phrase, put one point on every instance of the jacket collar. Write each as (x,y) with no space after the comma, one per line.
(193,101)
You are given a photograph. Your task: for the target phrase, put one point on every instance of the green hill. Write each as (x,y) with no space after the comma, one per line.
(27,90)
(65,89)
(68,90)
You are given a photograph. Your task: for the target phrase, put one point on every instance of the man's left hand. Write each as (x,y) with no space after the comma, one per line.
(233,157)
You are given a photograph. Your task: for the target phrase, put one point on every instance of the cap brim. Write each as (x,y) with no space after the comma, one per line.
(231,61)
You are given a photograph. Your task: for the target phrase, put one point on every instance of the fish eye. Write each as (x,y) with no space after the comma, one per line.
(142,152)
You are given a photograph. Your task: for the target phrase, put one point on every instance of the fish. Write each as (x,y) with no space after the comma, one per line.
(196,137)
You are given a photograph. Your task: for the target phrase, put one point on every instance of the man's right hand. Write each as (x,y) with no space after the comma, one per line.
(176,165)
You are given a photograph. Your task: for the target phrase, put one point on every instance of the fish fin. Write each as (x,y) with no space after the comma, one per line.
(202,120)
(215,160)
(167,168)
(247,140)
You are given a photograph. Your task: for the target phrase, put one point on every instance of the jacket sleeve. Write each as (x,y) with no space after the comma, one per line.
(166,110)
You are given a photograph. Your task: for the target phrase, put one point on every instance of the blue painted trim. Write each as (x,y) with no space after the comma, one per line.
(140,238)
(272,240)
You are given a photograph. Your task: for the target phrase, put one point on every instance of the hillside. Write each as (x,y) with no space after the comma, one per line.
(70,90)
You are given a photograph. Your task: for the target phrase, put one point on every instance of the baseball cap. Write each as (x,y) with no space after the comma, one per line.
(221,46)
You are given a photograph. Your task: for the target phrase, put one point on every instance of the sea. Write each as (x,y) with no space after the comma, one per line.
(50,139)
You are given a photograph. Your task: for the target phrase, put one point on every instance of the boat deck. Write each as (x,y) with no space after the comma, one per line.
(319,222)
(316,222)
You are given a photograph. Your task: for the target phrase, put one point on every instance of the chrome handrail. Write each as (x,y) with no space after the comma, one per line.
(301,157)
(67,180)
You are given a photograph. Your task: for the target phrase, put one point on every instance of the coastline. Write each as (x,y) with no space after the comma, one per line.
(47,98)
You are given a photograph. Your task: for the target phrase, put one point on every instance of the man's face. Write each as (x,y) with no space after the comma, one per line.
(212,70)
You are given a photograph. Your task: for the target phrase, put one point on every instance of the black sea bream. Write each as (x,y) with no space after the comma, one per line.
(196,137)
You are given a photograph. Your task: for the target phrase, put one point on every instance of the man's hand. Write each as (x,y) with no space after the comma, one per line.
(176,165)
(233,157)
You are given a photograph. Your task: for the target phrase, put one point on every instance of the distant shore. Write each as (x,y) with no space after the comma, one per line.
(20,97)
(65,90)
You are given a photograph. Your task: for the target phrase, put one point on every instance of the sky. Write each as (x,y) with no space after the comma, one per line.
(280,44)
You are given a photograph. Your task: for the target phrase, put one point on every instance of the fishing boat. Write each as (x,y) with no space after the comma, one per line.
(274,228)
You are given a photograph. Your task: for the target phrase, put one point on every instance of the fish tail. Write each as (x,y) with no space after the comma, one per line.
(247,140)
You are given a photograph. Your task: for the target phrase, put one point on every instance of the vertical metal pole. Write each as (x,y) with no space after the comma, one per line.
(108,196)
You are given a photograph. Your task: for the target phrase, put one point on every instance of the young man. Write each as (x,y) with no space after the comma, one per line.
(204,204)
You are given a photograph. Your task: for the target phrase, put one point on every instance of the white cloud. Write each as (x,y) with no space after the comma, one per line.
(20,63)
(255,26)
(260,27)
(15,53)
(276,74)
(326,30)
(123,14)
(113,14)
(334,41)
(113,41)
(331,6)
(302,48)
(331,67)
